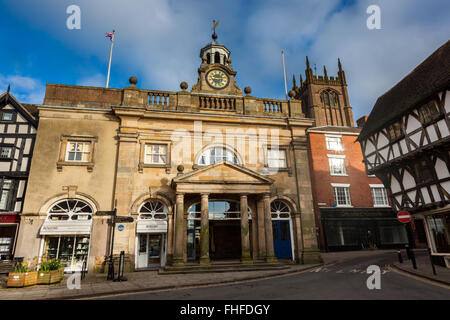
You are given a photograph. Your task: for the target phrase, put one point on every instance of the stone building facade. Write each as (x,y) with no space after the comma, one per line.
(206,174)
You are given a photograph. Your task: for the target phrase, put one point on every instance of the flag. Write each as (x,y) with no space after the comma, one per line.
(110,35)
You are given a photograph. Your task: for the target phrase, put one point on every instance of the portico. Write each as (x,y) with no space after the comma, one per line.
(225,180)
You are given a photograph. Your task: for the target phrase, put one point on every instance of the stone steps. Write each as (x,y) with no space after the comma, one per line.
(222,267)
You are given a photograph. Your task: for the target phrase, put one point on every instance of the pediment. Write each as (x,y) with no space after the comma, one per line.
(223,173)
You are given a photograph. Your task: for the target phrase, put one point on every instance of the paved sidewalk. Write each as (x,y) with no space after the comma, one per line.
(424,269)
(96,284)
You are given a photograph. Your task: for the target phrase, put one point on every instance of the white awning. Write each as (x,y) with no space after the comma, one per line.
(151,226)
(66,227)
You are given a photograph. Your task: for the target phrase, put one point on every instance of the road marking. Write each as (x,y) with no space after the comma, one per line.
(434,283)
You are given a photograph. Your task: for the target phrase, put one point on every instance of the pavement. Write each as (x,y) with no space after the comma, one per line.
(424,269)
(96,285)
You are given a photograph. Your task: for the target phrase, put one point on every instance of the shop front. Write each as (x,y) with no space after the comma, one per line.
(9,224)
(65,234)
(362,228)
(151,235)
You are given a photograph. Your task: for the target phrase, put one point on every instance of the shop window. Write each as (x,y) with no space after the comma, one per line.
(334,143)
(276,158)
(155,154)
(337,166)
(439,229)
(342,195)
(71,250)
(379,197)
(217,154)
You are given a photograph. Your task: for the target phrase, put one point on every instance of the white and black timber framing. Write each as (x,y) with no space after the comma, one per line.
(408,147)
(18,126)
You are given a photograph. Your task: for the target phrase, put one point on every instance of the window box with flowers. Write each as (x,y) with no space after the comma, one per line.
(23,275)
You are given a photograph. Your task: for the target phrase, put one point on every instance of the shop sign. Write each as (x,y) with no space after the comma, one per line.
(151,226)
(66,227)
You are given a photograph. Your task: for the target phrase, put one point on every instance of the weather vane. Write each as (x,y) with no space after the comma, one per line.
(216,23)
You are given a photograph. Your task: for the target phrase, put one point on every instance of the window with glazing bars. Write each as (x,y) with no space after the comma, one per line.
(342,196)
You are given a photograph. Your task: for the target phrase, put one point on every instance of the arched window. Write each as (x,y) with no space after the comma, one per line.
(217,154)
(216,57)
(279,210)
(208,58)
(329,98)
(153,210)
(70,209)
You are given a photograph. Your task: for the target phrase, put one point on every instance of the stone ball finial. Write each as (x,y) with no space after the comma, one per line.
(291,94)
(229,61)
(204,59)
(133,80)
(183,85)
(247,90)
(180,168)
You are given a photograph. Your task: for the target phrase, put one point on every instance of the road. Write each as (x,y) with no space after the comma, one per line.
(345,280)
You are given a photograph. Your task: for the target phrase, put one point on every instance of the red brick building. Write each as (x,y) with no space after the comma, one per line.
(352,209)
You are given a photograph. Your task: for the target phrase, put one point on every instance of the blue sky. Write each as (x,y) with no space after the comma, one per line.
(159,42)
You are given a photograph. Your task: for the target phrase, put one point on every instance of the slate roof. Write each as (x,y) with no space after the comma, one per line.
(431,76)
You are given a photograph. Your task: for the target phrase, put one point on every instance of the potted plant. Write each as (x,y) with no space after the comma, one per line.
(23,276)
(44,273)
(56,270)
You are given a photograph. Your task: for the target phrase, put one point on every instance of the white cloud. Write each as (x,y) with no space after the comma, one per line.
(95,80)
(25,89)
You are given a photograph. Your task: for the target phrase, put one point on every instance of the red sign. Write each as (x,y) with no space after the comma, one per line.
(404,216)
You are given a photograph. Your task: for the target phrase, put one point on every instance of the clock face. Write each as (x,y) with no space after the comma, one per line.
(217,79)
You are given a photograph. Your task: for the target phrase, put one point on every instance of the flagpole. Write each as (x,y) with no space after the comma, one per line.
(284,72)
(110,56)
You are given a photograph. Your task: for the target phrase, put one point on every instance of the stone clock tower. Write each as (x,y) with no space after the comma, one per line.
(216,75)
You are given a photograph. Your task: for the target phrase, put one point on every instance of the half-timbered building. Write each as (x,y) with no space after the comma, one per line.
(406,143)
(18,125)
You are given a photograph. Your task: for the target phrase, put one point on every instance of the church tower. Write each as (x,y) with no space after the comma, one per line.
(325,98)
(215,74)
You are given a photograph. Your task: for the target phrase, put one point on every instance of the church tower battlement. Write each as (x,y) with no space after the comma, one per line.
(325,98)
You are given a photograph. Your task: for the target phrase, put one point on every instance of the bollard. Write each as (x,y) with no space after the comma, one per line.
(408,252)
(400,258)
(413,259)
(83,270)
(120,276)
(431,260)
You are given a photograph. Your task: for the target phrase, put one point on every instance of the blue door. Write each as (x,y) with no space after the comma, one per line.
(282,239)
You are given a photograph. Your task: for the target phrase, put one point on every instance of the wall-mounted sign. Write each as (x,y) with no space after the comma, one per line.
(120,227)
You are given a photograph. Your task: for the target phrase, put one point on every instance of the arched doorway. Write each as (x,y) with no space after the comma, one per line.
(282,229)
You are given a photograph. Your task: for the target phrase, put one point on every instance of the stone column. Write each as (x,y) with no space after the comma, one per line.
(261,230)
(270,254)
(204,231)
(170,237)
(179,232)
(245,236)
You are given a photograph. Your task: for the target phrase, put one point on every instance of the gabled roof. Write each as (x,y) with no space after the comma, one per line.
(223,172)
(28,111)
(431,76)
